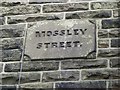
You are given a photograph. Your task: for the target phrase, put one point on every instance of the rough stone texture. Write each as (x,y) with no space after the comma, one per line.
(103,43)
(80,0)
(89,14)
(108,53)
(1,67)
(65,7)
(36,86)
(9,4)
(114,85)
(10,31)
(33,18)
(46,1)
(81,64)
(32,66)
(114,33)
(9,87)
(100,74)
(13,54)
(116,13)
(10,79)
(104,5)
(115,62)
(115,43)
(20,9)
(91,85)
(12,44)
(2,20)
(60,76)
(11,1)
(111,23)
(103,34)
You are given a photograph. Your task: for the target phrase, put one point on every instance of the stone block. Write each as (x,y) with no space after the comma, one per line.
(65,7)
(115,43)
(89,14)
(108,53)
(103,43)
(83,64)
(60,76)
(32,66)
(10,31)
(104,5)
(111,23)
(100,74)
(84,85)
(115,62)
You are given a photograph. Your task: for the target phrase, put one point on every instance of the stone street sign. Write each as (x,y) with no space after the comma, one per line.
(60,39)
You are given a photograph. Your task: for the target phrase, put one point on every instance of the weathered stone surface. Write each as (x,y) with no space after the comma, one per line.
(79,64)
(104,5)
(80,0)
(33,18)
(12,44)
(46,1)
(36,86)
(23,1)
(12,78)
(65,7)
(9,31)
(108,52)
(8,87)
(32,66)
(100,74)
(56,39)
(116,13)
(111,23)
(115,62)
(2,20)
(114,33)
(9,4)
(89,14)
(91,85)
(60,76)
(103,34)
(115,43)
(103,43)
(20,9)
(114,85)
(1,67)
(13,54)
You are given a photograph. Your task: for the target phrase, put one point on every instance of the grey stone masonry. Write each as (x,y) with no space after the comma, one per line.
(61,76)
(20,9)
(21,64)
(65,7)
(89,14)
(12,78)
(100,74)
(83,64)
(105,5)
(47,1)
(37,85)
(10,31)
(111,23)
(2,20)
(32,66)
(83,85)
(33,18)
(115,62)
(115,43)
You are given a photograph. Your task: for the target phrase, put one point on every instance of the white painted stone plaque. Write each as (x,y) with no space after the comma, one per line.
(61,39)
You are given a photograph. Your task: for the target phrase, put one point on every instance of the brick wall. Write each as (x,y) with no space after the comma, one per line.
(102,72)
